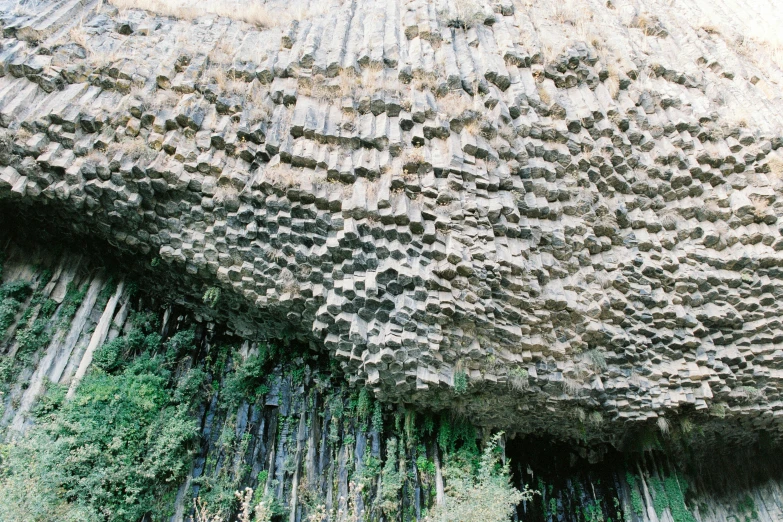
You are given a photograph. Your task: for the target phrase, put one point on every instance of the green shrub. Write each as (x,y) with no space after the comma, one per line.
(178,343)
(116,451)
(676,487)
(16,290)
(391,482)
(12,295)
(8,310)
(211,296)
(484,493)
(71,303)
(32,337)
(460,383)
(107,357)
(636,498)
(660,502)
(377,418)
(248,380)
(363,407)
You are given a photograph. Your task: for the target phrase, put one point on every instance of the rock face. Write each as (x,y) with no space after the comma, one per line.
(298,434)
(533,214)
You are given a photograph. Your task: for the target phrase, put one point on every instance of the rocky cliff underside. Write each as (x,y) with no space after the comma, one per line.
(554,219)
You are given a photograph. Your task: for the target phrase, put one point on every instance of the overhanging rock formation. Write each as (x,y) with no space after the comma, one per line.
(528,212)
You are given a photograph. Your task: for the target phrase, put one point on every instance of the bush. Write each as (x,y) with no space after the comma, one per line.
(485,494)
(107,357)
(116,451)
(391,482)
(248,381)
(12,295)
(33,337)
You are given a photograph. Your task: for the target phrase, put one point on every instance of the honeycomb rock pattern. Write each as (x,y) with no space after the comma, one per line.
(551,212)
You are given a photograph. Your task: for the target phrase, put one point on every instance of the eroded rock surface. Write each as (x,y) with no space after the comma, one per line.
(543,213)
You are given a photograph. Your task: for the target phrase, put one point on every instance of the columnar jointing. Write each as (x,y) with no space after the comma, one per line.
(509,205)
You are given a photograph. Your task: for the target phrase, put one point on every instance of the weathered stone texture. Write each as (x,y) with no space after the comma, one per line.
(595,208)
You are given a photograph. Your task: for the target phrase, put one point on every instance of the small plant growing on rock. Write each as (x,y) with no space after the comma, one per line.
(571,386)
(261,512)
(663,425)
(750,394)
(211,296)
(518,379)
(463,14)
(596,358)
(460,382)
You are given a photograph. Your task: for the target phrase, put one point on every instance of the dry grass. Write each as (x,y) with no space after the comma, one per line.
(28,8)
(775,168)
(544,95)
(253,12)
(101,59)
(282,175)
(644,22)
(345,83)
(571,386)
(518,379)
(155,100)
(613,81)
(222,52)
(550,53)
(472,127)
(217,74)
(756,38)
(78,35)
(710,29)
(462,14)
(595,418)
(133,148)
(252,94)
(663,425)
(413,155)
(225,192)
(374,79)
(425,80)
(479,125)
(317,87)
(455,103)
(22,135)
(287,283)
(760,206)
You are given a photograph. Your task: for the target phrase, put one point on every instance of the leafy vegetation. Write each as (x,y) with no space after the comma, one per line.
(391,482)
(636,498)
(116,451)
(74,296)
(12,295)
(669,493)
(211,296)
(479,493)
(460,383)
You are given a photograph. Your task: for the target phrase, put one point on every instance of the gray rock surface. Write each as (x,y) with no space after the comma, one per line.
(573,207)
